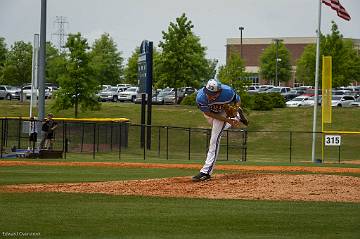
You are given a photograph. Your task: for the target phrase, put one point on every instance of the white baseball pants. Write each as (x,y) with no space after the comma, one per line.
(218,128)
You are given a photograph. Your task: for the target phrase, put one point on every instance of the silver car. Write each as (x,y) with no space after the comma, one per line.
(342,100)
(9,92)
(297,101)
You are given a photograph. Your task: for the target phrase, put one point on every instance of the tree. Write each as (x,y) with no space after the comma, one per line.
(268,63)
(131,69)
(17,68)
(305,66)
(106,61)
(345,60)
(182,61)
(78,86)
(55,63)
(3,53)
(233,73)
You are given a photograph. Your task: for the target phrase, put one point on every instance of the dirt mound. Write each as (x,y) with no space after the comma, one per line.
(249,186)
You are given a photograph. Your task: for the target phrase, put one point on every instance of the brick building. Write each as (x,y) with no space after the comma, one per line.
(252,48)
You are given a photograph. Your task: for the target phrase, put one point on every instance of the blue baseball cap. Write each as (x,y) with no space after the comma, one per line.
(212,87)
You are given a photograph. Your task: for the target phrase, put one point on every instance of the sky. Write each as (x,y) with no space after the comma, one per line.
(130,21)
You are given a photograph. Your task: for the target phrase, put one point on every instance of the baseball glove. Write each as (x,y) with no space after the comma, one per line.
(231,110)
(234,110)
(243,118)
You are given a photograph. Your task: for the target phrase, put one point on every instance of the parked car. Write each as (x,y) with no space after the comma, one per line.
(284,91)
(263,88)
(129,94)
(252,89)
(159,98)
(26,91)
(311,92)
(52,87)
(138,98)
(170,98)
(341,92)
(111,94)
(281,90)
(342,100)
(356,103)
(300,90)
(9,92)
(292,94)
(297,101)
(105,87)
(310,101)
(181,94)
(185,91)
(52,90)
(350,90)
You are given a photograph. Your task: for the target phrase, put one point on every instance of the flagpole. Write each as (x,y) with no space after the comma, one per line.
(316,82)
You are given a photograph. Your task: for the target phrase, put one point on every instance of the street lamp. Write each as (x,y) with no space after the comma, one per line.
(241,48)
(276,60)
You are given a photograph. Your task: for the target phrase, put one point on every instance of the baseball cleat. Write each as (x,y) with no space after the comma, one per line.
(201,177)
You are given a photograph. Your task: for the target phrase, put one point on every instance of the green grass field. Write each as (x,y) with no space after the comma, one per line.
(58,215)
(65,215)
(70,215)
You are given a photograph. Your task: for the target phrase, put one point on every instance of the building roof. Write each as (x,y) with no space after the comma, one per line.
(286,40)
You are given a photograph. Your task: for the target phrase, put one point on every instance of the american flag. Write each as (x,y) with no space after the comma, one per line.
(335,5)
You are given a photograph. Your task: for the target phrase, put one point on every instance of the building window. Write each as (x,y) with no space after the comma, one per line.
(254,79)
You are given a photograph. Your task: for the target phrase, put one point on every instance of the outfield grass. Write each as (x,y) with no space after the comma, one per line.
(60,215)
(285,119)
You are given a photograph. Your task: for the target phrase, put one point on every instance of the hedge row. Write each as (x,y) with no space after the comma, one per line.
(253,102)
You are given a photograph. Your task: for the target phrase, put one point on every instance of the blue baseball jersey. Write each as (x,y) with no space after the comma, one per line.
(227,95)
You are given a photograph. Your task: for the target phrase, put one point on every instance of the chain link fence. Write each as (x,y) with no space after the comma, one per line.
(122,140)
(119,140)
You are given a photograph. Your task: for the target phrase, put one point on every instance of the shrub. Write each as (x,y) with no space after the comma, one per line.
(262,102)
(278,100)
(247,101)
(189,100)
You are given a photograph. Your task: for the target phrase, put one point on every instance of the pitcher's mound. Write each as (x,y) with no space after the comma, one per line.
(249,186)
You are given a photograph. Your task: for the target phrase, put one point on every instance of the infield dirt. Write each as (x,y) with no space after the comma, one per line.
(251,183)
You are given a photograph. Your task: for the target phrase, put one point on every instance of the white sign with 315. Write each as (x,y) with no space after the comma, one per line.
(332,140)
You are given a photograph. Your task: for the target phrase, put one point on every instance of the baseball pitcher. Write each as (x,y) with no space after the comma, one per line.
(221,107)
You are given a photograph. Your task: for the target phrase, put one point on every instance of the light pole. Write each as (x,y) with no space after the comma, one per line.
(241,47)
(276,60)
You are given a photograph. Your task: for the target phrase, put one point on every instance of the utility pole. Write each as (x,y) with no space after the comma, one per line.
(241,45)
(277,59)
(42,62)
(61,21)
